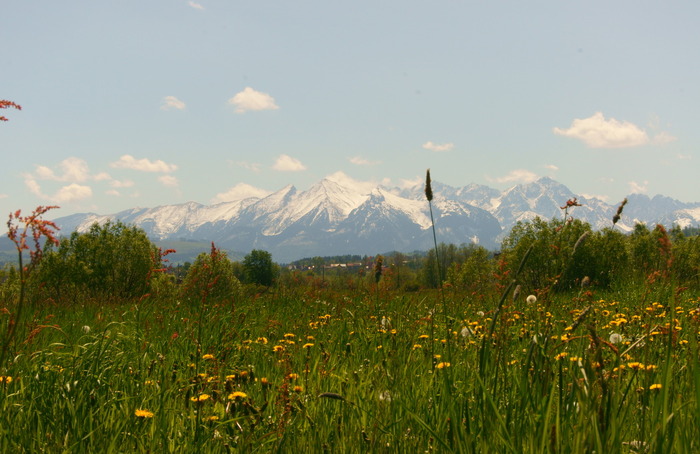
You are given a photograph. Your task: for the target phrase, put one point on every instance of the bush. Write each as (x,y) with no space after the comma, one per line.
(211,278)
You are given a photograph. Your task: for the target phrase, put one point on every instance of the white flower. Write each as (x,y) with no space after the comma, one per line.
(480,313)
(466,332)
(86,329)
(385,396)
(615,338)
(532,299)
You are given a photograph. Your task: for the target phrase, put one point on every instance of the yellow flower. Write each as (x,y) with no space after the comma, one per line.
(635,365)
(262,340)
(208,357)
(213,418)
(308,345)
(655,386)
(561,355)
(200,398)
(289,336)
(298,389)
(417,346)
(443,365)
(237,395)
(143,413)
(293,376)
(423,336)
(277,349)
(4,379)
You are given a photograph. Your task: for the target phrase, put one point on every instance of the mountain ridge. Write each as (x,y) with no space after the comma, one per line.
(335,216)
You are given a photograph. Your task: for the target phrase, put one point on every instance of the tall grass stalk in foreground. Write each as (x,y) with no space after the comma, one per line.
(445,313)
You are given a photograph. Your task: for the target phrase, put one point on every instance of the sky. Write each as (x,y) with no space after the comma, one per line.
(146,103)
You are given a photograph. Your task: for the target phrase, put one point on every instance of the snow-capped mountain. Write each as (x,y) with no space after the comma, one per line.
(340,216)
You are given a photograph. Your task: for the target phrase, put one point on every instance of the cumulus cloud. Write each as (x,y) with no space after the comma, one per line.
(360,161)
(438,146)
(171,102)
(345,180)
(113,192)
(286,163)
(515,176)
(144,165)
(121,184)
(168,180)
(239,192)
(598,132)
(638,188)
(250,99)
(195,5)
(71,169)
(72,192)
(551,167)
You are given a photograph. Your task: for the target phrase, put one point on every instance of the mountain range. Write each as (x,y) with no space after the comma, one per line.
(338,216)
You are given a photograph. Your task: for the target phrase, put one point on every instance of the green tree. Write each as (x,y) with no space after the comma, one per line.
(259,268)
(211,277)
(112,260)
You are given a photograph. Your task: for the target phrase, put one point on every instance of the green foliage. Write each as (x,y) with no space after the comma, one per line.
(109,261)
(211,278)
(259,268)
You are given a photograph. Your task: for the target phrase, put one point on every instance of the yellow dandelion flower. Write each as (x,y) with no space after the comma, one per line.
(289,336)
(293,376)
(237,395)
(561,356)
(5,379)
(213,418)
(277,349)
(635,365)
(443,365)
(655,386)
(200,398)
(423,336)
(139,413)
(309,345)
(262,340)
(417,346)
(298,389)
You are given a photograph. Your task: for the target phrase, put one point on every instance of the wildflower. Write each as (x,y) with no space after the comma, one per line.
(277,349)
(200,398)
(385,396)
(262,340)
(297,389)
(86,329)
(289,336)
(423,336)
(139,413)
(5,379)
(212,418)
(561,355)
(615,338)
(208,357)
(293,376)
(466,332)
(237,395)
(531,299)
(265,382)
(655,386)
(635,365)
(443,365)
(309,345)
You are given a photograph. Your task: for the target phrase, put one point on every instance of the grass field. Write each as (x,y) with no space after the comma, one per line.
(321,371)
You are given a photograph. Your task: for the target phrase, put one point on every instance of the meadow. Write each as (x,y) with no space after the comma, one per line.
(309,367)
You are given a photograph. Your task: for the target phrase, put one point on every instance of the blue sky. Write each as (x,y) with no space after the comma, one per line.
(135,103)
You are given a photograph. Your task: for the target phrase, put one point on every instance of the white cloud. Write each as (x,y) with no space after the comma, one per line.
(286,163)
(144,165)
(360,161)
(638,188)
(72,192)
(663,138)
(168,180)
(121,184)
(102,176)
(239,192)
(71,169)
(346,181)
(408,183)
(684,157)
(551,167)
(598,132)
(4,196)
(438,146)
(113,192)
(249,99)
(195,5)
(515,176)
(171,102)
